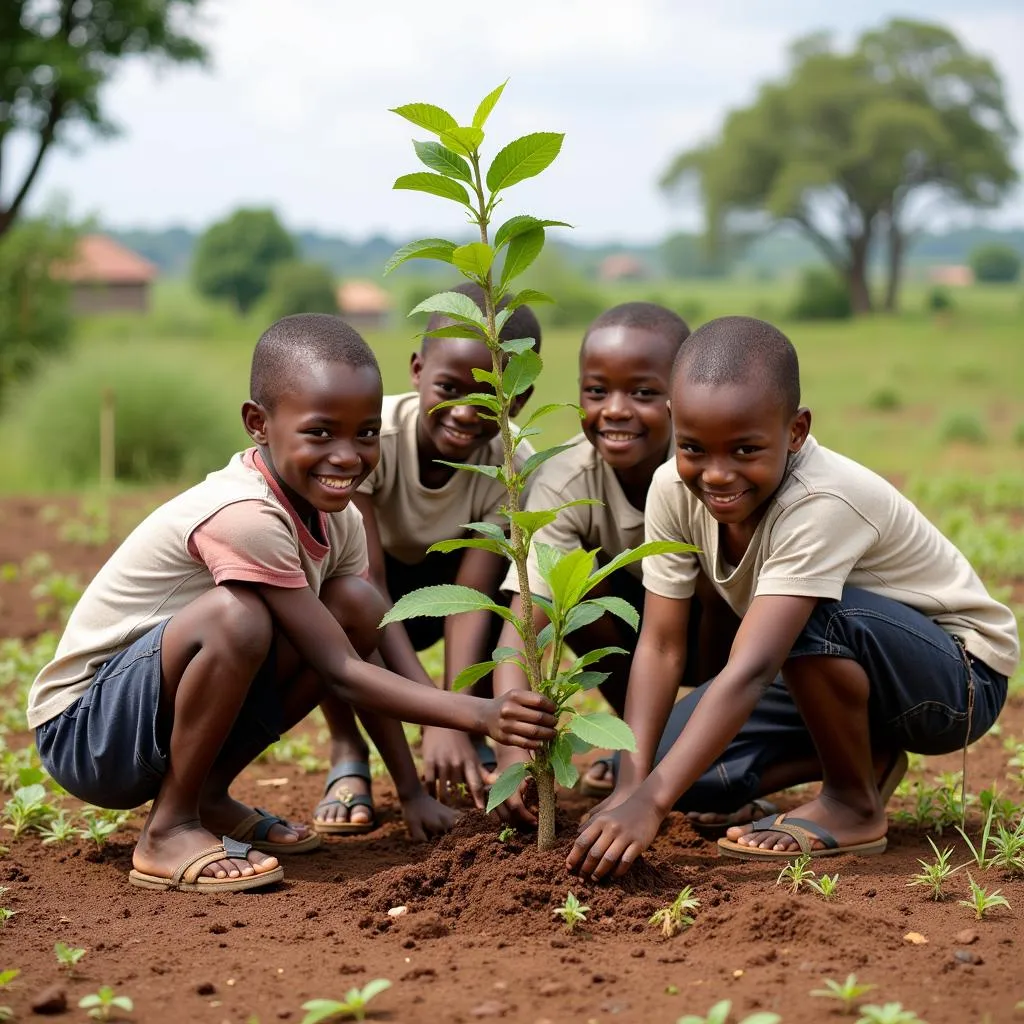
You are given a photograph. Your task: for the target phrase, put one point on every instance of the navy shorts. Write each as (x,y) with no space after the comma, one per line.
(110,748)
(918,700)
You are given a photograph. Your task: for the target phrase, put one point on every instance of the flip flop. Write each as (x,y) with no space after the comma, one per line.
(599,788)
(804,832)
(255,828)
(186,876)
(344,770)
(712,830)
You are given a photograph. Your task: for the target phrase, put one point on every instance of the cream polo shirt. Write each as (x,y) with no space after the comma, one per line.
(158,570)
(612,526)
(411,517)
(831,523)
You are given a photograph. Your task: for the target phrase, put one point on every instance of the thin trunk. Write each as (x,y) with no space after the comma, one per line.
(545,779)
(857,275)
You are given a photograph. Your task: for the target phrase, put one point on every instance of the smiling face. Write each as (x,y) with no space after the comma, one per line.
(732,445)
(322,438)
(624,385)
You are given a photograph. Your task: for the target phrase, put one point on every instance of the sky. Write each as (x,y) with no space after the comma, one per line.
(292,111)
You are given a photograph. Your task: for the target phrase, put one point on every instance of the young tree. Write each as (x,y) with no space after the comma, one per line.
(848,144)
(55,58)
(996,263)
(297,287)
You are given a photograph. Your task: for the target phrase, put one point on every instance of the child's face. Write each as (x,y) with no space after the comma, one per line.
(624,385)
(732,445)
(322,438)
(445,372)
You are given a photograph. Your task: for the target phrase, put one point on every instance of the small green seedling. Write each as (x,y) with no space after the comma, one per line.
(677,915)
(934,874)
(981,900)
(889,1013)
(67,956)
(5,915)
(353,1006)
(719,1014)
(847,992)
(796,873)
(6,977)
(1008,849)
(825,886)
(97,828)
(980,852)
(507,833)
(571,912)
(106,1004)
(59,830)
(27,809)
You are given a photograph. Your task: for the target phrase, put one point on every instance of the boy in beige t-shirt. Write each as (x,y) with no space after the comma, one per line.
(886,639)
(224,617)
(410,501)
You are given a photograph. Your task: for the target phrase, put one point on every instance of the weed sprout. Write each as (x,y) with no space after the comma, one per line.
(677,915)
(825,886)
(571,912)
(67,956)
(983,901)
(796,873)
(353,1006)
(934,874)
(889,1013)
(59,830)
(106,1004)
(719,1014)
(847,992)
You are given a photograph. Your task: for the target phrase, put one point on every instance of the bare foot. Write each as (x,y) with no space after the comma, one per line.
(750,811)
(223,814)
(161,854)
(344,789)
(848,825)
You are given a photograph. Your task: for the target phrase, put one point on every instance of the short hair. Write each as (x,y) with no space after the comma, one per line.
(293,343)
(738,349)
(522,323)
(643,316)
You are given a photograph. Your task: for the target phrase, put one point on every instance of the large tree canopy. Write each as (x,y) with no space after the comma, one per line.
(55,58)
(847,145)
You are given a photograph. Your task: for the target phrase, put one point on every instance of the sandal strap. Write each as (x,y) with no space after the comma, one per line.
(802,827)
(355,800)
(345,770)
(262,828)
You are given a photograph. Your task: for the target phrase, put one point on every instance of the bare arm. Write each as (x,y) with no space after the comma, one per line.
(465,635)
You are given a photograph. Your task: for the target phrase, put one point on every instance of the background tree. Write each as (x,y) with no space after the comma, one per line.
(995,263)
(847,145)
(234,258)
(55,57)
(297,287)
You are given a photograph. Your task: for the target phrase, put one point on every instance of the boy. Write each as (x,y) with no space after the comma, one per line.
(885,637)
(409,502)
(221,620)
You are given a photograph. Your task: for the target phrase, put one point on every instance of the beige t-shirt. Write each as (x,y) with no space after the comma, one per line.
(159,569)
(612,526)
(411,517)
(831,523)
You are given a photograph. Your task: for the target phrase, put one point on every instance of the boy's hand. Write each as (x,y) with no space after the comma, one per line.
(426,817)
(614,839)
(448,759)
(520,718)
(514,809)
(618,796)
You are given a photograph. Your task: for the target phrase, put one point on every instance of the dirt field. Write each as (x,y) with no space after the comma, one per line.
(479,941)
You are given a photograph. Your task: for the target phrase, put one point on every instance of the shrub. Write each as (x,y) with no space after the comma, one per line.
(963,426)
(995,263)
(885,400)
(821,296)
(297,287)
(1018,435)
(940,300)
(170,424)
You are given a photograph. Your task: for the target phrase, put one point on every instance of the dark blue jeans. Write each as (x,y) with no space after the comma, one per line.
(918,702)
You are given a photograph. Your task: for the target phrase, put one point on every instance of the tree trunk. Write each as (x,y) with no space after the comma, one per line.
(857,276)
(545,779)
(892,285)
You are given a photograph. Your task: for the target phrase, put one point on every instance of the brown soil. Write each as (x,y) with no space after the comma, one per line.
(479,940)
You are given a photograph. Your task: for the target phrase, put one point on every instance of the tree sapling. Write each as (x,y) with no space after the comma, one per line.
(571,912)
(846,992)
(677,915)
(353,1006)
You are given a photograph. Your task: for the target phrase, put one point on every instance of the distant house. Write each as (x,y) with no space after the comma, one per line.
(622,266)
(107,277)
(953,276)
(364,304)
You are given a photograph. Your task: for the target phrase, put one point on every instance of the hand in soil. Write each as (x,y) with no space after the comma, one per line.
(448,760)
(520,718)
(426,817)
(847,824)
(160,855)
(616,798)
(610,843)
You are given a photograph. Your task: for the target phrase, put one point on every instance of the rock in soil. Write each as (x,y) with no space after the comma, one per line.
(50,1001)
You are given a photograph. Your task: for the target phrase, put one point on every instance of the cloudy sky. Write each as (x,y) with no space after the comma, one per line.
(293,110)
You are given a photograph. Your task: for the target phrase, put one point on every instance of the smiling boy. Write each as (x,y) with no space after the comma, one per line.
(224,617)
(410,501)
(885,638)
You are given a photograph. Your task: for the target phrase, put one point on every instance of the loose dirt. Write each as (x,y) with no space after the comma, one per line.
(478,940)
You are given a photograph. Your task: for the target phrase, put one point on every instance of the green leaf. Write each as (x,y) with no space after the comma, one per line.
(528,295)
(480,398)
(474,259)
(547,557)
(531,522)
(422,249)
(435,184)
(426,115)
(603,730)
(439,601)
(523,158)
(620,607)
(582,615)
(318,1010)
(487,105)
(468,676)
(538,458)
(588,680)
(630,555)
(520,373)
(487,529)
(517,345)
(521,252)
(463,140)
(506,653)
(566,773)
(453,305)
(546,410)
(595,655)
(498,547)
(459,330)
(374,988)
(444,161)
(520,223)
(579,746)
(494,472)
(545,636)
(482,376)
(567,576)
(506,784)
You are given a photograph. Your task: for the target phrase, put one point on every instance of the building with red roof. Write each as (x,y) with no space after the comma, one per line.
(106,276)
